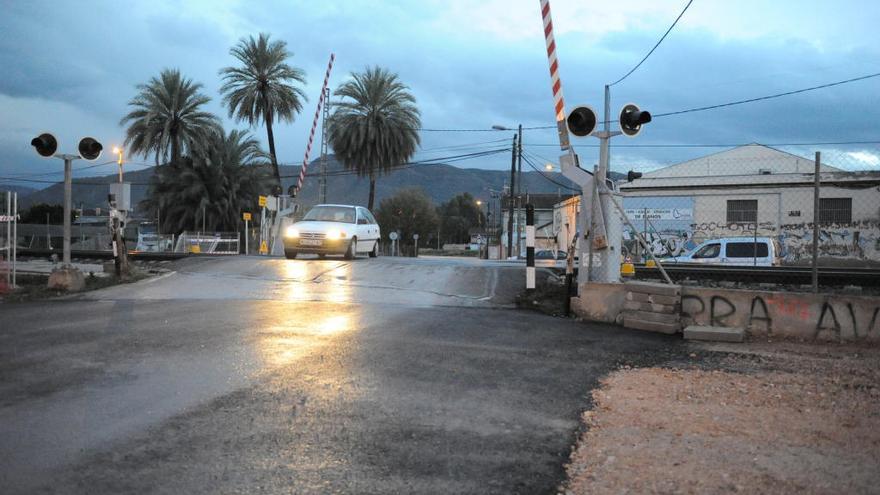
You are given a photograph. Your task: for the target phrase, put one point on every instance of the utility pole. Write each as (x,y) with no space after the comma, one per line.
(510,196)
(519,192)
(324,140)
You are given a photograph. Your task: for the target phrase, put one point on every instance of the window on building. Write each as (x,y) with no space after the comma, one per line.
(747,249)
(835,210)
(742,211)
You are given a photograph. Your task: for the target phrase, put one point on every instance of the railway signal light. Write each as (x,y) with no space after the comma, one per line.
(45,144)
(581,121)
(632,118)
(89,148)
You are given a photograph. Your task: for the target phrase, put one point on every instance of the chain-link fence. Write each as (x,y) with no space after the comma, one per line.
(760,206)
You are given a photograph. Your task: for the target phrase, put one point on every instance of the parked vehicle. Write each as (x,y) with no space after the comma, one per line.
(547,254)
(735,251)
(149,240)
(333,229)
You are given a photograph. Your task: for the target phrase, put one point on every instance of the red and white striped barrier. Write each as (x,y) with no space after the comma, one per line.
(555,82)
(305,165)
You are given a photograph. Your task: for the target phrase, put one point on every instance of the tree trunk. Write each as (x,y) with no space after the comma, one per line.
(175,148)
(372,192)
(272,148)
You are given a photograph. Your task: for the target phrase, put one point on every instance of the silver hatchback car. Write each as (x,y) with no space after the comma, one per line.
(334,229)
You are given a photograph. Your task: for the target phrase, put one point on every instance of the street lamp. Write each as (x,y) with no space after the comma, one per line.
(548,167)
(118,152)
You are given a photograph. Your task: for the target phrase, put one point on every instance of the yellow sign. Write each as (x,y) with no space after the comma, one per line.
(195,249)
(262,200)
(246,216)
(264,249)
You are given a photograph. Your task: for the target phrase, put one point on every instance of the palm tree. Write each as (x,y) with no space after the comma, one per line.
(167,119)
(262,87)
(375,127)
(216,184)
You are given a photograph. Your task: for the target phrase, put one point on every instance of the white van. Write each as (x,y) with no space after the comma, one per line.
(738,251)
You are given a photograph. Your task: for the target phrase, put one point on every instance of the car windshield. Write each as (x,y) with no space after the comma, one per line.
(344,214)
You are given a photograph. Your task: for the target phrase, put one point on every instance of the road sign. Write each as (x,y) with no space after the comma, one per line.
(262,200)
(415,237)
(246,216)
(393,236)
(264,248)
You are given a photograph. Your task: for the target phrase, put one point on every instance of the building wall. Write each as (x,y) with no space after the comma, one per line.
(784,212)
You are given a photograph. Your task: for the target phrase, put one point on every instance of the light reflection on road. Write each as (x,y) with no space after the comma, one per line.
(299,334)
(329,282)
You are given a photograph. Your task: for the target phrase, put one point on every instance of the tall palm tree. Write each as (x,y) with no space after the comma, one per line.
(167,119)
(375,126)
(262,88)
(213,185)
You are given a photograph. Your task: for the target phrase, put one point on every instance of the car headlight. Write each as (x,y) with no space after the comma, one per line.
(292,232)
(334,234)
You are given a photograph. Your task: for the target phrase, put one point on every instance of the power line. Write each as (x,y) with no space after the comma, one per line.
(655,46)
(768,97)
(545,176)
(714,145)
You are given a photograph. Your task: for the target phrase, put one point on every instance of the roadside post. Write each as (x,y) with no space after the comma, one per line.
(393,236)
(530,247)
(416,249)
(246,216)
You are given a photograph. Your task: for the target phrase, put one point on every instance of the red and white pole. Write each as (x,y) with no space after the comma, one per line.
(555,82)
(305,165)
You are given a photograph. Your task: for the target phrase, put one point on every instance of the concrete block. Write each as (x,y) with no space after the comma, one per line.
(653,288)
(714,334)
(658,317)
(651,326)
(650,307)
(68,279)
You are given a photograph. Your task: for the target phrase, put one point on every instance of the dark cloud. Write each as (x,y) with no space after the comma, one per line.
(93,57)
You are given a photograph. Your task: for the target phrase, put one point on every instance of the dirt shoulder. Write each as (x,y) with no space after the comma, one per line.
(760,418)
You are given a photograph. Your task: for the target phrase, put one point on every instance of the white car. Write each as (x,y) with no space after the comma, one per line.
(333,229)
(737,251)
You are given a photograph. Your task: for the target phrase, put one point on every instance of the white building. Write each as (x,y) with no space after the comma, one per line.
(755,190)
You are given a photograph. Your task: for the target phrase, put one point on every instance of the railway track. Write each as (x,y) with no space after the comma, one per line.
(107,255)
(788,275)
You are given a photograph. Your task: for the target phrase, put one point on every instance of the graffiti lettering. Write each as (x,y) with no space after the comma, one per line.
(765,318)
(688,297)
(827,308)
(715,318)
(793,315)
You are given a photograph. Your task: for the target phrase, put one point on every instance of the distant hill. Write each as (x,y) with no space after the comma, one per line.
(440,181)
(23,191)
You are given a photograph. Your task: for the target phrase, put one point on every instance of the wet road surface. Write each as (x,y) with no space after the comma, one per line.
(245,374)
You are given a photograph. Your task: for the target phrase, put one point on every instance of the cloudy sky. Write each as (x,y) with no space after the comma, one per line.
(70,67)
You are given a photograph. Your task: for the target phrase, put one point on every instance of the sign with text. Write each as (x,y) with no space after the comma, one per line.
(246,216)
(660,213)
(262,200)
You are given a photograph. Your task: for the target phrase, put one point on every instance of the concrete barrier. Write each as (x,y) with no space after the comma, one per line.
(763,313)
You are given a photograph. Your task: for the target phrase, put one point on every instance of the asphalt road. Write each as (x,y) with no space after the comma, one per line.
(254,375)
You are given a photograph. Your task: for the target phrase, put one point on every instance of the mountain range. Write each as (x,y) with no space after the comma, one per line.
(440,181)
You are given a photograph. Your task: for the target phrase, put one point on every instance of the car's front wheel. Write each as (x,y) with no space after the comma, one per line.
(349,253)
(290,254)
(375,251)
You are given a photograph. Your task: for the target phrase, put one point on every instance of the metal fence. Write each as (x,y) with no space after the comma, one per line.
(8,236)
(815,207)
(208,243)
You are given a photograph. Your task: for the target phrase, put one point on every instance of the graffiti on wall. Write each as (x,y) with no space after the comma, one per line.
(857,240)
(837,319)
